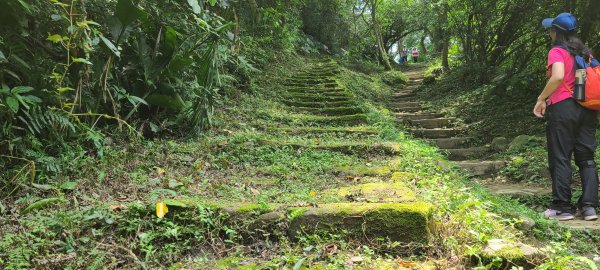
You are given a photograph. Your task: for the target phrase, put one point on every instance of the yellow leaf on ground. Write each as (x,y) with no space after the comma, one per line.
(312,193)
(160,171)
(161,209)
(200,165)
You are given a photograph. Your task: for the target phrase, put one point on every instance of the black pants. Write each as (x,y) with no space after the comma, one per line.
(571,129)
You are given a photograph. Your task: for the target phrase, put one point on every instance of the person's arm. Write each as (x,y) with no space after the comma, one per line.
(558,74)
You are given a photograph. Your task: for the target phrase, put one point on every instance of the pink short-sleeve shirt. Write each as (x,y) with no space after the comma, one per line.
(563,56)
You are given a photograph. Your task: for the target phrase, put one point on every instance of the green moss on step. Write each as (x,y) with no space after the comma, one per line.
(312,104)
(403,177)
(332,111)
(378,192)
(362,170)
(346,119)
(304,130)
(402,222)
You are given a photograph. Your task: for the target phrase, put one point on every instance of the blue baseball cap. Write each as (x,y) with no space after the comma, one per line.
(564,21)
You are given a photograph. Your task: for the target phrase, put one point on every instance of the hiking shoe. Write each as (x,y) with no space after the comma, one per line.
(555,214)
(588,213)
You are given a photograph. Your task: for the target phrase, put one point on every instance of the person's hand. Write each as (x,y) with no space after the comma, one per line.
(540,108)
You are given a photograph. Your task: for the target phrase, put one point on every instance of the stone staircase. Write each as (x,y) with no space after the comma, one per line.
(378,206)
(441,131)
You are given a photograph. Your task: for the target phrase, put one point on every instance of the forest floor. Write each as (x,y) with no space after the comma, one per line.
(324,166)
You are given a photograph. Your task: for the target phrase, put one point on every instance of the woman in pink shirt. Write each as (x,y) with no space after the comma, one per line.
(570,128)
(415,55)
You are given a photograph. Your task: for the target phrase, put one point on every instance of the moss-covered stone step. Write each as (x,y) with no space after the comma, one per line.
(451,143)
(363,170)
(320,130)
(408,109)
(389,148)
(312,104)
(432,123)
(342,119)
(303,97)
(403,93)
(418,116)
(332,94)
(437,133)
(408,222)
(323,85)
(509,254)
(333,111)
(406,104)
(481,167)
(406,98)
(311,81)
(466,153)
(375,192)
(318,91)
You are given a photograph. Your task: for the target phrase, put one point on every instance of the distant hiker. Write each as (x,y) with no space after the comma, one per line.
(570,128)
(415,54)
(405,55)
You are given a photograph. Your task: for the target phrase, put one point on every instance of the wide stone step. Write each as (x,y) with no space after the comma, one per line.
(315,90)
(321,130)
(407,222)
(434,133)
(323,85)
(320,96)
(417,116)
(354,119)
(406,104)
(331,111)
(359,148)
(325,104)
(466,153)
(324,92)
(481,167)
(403,93)
(317,98)
(432,123)
(311,81)
(451,143)
(405,99)
(408,109)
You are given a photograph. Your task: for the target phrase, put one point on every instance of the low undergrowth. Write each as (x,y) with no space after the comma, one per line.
(101,212)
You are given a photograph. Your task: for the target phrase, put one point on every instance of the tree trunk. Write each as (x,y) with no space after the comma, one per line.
(254,11)
(422,45)
(382,52)
(445,47)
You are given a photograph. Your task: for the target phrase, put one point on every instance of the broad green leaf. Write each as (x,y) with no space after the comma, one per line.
(128,12)
(68,185)
(299,264)
(65,89)
(41,204)
(213,2)
(56,17)
(174,183)
(41,186)
(13,104)
(111,46)
(21,89)
(56,38)
(82,60)
(175,203)
(195,6)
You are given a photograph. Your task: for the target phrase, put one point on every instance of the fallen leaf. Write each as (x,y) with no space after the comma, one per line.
(160,171)
(329,250)
(407,264)
(227,131)
(200,165)
(255,191)
(312,193)
(161,209)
